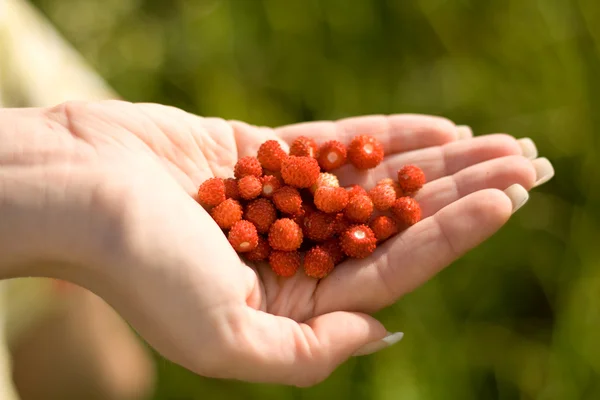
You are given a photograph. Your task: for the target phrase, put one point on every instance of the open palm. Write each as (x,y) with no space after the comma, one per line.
(175,277)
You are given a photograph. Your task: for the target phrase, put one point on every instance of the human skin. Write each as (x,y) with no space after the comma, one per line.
(103,194)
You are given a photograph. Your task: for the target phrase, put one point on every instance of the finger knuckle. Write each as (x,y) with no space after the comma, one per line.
(492,208)
(505,145)
(520,170)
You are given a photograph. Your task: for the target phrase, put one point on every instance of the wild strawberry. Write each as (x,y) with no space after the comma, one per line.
(243,236)
(393,184)
(304,147)
(270,155)
(341,224)
(247,166)
(301,216)
(270,184)
(411,179)
(211,192)
(249,187)
(227,213)
(231,189)
(383,227)
(288,200)
(298,217)
(406,210)
(325,179)
(276,174)
(318,263)
(332,246)
(308,208)
(285,235)
(358,241)
(365,152)
(261,212)
(332,155)
(353,190)
(261,251)
(318,226)
(330,199)
(383,196)
(284,263)
(359,209)
(300,172)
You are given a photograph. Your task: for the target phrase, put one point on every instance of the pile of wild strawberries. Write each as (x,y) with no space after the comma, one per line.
(289,209)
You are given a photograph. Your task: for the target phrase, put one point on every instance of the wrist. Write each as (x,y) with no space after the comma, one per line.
(41,197)
(18,246)
(31,234)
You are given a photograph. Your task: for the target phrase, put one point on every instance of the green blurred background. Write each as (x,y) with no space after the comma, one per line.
(517,318)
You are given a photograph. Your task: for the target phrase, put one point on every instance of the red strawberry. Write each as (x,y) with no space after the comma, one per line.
(270,184)
(411,179)
(318,263)
(383,196)
(285,235)
(359,209)
(212,192)
(332,155)
(319,226)
(325,179)
(231,189)
(270,155)
(249,187)
(331,199)
(300,172)
(261,251)
(227,213)
(261,212)
(304,147)
(284,263)
(353,190)
(406,210)
(288,200)
(247,166)
(243,236)
(358,241)
(332,246)
(365,152)
(383,227)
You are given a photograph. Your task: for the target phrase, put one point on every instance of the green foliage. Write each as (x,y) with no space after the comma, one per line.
(517,318)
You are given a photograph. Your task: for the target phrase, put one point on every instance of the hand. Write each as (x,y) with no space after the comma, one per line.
(115,186)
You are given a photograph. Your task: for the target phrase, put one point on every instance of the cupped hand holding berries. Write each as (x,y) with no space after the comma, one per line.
(269,273)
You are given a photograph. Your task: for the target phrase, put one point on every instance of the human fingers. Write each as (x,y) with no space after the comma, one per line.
(397,133)
(439,161)
(408,260)
(266,348)
(499,174)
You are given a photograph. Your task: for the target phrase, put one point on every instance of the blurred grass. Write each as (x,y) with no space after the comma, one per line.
(517,318)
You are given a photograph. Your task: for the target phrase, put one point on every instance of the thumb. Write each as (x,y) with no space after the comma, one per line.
(280,350)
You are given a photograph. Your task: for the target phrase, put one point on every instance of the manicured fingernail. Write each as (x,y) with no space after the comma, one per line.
(543,170)
(517,195)
(389,340)
(528,148)
(464,132)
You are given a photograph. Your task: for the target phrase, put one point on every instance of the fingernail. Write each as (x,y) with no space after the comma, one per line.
(517,195)
(528,148)
(373,347)
(464,132)
(543,170)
